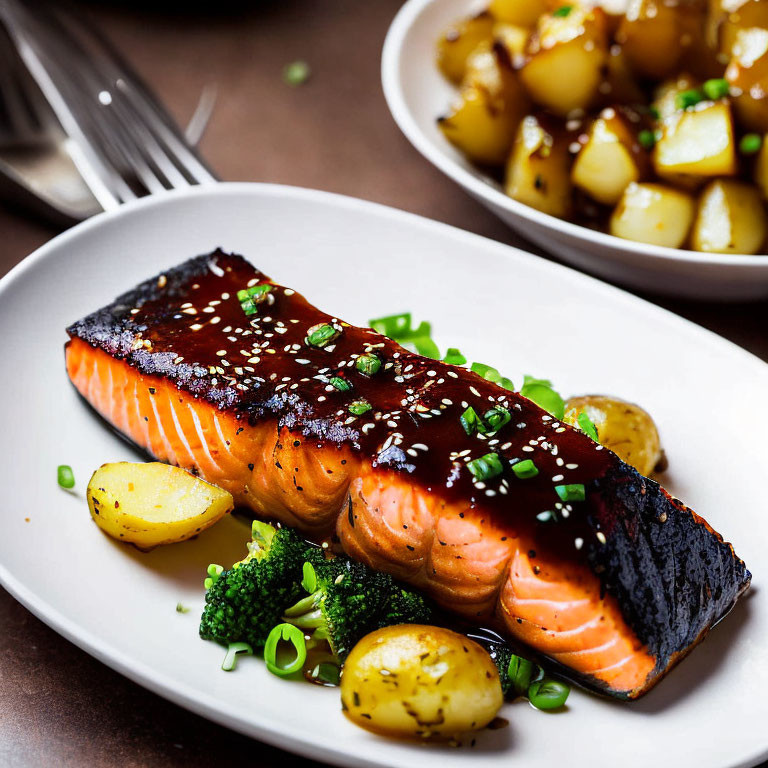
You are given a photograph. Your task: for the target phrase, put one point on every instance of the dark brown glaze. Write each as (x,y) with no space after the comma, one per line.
(672,575)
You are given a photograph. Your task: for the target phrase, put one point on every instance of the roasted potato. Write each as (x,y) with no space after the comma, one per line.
(513,41)
(152,504)
(747,74)
(419,682)
(537,172)
(697,142)
(522,13)
(649,35)
(730,218)
(489,108)
(653,213)
(566,57)
(623,427)
(611,159)
(458,42)
(729,17)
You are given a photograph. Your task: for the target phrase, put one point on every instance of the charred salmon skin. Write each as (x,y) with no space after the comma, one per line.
(516,521)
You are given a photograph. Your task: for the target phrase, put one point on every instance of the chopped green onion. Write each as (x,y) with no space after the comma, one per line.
(548,693)
(472,422)
(716,89)
(491,374)
(547,516)
(525,469)
(341,384)
(689,98)
(520,672)
(496,418)
(181,608)
(368,363)
(321,335)
(541,392)
(425,346)
(392,326)
(250,297)
(65,476)
(230,660)
(750,144)
(454,357)
(309,577)
(292,635)
(242,296)
(647,139)
(572,492)
(654,113)
(486,467)
(296,73)
(562,11)
(359,407)
(327,672)
(248,307)
(214,571)
(587,426)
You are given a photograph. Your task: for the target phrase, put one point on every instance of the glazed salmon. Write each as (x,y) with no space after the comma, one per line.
(533,529)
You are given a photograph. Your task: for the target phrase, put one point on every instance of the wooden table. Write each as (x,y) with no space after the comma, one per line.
(58,706)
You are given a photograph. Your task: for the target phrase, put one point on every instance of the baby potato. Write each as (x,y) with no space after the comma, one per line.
(747,74)
(523,13)
(623,427)
(649,35)
(151,504)
(419,682)
(458,42)
(653,213)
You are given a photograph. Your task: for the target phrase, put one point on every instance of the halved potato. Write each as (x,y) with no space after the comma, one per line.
(653,213)
(458,42)
(623,427)
(538,169)
(489,108)
(747,74)
(649,35)
(611,158)
(730,219)
(151,504)
(566,57)
(523,13)
(697,142)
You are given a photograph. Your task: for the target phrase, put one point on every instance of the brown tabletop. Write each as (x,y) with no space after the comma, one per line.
(58,706)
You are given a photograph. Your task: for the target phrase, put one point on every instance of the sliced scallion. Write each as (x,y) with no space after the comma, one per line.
(525,469)
(571,492)
(65,476)
(321,335)
(275,660)
(230,660)
(486,467)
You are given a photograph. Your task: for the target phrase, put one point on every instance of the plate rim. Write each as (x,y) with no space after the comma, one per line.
(394,44)
(178,692)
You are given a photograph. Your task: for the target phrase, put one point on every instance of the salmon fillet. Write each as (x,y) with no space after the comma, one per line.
(614,588)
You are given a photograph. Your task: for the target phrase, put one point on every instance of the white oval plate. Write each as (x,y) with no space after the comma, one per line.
(417,93)
(500,306)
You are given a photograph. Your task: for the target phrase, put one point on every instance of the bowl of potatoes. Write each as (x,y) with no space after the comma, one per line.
(628,138)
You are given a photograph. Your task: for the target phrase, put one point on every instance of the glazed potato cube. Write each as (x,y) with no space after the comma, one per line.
(489,108)
(458,42)
(653,213)
(747,74)
(538,169)
(729,17)
(610,160)
(665,96)
(649,35)
(697,142)
(522,13)
(514,41)
(730,219)
(566,58)
(761,168)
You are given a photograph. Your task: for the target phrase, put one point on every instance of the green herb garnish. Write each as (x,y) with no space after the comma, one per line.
(368,363)
(750,144)
(496,418)
(327,672)
(399,328)
(472,422)
(276,662)
(65,476)
(214,571)
(486,467)
(716,89)
(359,407)
(321,335)
(541,392)
(181,608)
(689,98)
(525,469)
(230,660)
(249,298)
(296,73)
(309,577)
(341,384)
(548,693)
(587,426)
(520,672)
(572,492)
(562,11)
(647,139)
(454,357)
(490,373)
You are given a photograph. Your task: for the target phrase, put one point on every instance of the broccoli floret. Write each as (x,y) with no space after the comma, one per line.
(244,603)
(348,600)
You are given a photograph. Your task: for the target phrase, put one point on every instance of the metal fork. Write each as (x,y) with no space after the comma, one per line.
(122,141)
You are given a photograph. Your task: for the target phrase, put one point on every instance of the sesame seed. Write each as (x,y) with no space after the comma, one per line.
(600,537)
(474,392)
(557,478)
(195,327)
(578,543)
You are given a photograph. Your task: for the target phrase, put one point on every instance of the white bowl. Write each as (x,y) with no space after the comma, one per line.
(417,93)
